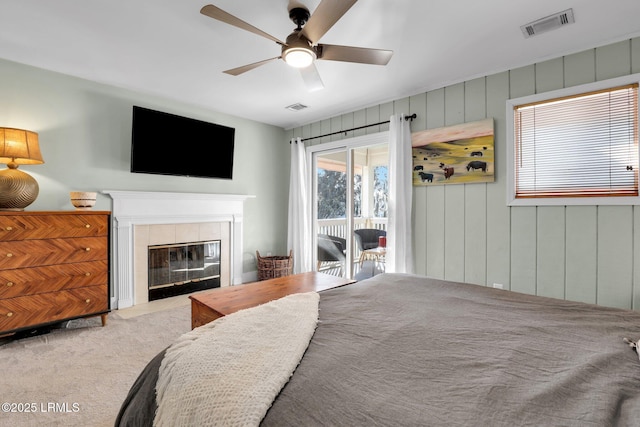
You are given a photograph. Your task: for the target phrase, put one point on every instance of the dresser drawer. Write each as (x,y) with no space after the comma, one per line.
(22,227)
(26,311)
(32,253)
(37,280)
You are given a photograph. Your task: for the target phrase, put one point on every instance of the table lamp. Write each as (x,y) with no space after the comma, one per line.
(18,189)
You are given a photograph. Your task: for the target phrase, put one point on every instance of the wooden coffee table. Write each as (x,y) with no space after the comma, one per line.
(208,306)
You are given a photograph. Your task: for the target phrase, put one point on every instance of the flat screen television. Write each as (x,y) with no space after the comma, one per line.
(167,144)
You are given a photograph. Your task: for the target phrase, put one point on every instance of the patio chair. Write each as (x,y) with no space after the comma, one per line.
(331,251)
(367,238)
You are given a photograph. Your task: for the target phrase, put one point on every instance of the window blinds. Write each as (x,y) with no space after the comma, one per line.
(578,146)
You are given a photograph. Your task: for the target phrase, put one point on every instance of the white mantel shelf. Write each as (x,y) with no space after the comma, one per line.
(132,208)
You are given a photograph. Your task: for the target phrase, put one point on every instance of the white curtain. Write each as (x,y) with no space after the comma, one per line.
(299,231)
(399,257)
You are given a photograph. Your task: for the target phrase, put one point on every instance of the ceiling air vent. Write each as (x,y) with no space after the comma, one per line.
(296,107)
(547,24)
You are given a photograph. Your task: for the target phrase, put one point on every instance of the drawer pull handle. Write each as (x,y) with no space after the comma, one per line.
(9,314)
(9,284)
(87,249)
(9,228)
(88,300)
(87,274)
(88,225)
(9,255)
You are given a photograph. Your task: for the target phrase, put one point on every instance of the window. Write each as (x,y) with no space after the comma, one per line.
(575,146)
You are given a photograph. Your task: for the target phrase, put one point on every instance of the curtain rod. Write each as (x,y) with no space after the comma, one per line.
(411,117)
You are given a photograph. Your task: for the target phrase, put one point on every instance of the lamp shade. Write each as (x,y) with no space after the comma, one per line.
(20,147)
(18,189)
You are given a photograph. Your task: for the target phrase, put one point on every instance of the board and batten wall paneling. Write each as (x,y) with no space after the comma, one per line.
(549,75)
(435,208)
(550,252)
(635,68)
(613,60)
(615,256)
(466,232)
(475,202)
(581,247)
(636,260)
(498,213)
(551,220)
(615,223)
(454,206)
(522,82)
(418,105)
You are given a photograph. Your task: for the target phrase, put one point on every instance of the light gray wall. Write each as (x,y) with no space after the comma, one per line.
(85,136)
(466,232)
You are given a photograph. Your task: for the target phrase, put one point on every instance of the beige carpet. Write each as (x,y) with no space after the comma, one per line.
(79,375)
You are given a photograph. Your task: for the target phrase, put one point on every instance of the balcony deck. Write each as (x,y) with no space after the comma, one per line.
(337,227)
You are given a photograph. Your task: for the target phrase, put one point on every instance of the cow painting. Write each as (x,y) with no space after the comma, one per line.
(448,172)
(476,164)
(458,154)
(426,176)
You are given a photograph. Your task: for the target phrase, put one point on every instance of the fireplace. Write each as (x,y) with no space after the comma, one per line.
(142,219)
(182,268)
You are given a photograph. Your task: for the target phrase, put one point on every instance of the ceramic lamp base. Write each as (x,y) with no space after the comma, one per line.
(17,190)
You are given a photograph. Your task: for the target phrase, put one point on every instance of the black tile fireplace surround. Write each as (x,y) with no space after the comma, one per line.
(181,268)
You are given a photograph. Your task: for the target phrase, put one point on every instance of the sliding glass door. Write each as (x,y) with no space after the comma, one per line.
(350,193)
(333,190)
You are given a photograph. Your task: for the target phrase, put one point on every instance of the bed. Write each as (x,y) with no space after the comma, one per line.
(407,350)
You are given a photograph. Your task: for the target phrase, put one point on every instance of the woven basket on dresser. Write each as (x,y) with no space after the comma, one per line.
(274,266)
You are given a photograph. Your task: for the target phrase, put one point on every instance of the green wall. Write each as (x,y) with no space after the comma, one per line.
(466,232)
(85,136)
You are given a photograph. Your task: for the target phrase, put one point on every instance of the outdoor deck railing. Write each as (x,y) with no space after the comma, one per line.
(338,226)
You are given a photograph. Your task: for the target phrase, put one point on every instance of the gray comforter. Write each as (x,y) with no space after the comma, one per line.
(412,351)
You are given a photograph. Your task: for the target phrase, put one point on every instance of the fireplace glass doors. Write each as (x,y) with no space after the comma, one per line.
(182,268)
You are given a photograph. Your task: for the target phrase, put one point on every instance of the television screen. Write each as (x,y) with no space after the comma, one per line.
(167,144)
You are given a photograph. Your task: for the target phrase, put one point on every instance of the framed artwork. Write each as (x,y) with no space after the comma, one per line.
(459,154)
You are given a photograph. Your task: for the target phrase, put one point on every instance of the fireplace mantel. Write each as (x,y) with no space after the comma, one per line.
(132,208)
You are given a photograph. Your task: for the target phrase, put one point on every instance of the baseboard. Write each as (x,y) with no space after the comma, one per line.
(251,276)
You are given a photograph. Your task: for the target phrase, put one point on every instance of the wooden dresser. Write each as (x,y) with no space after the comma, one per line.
(54,266)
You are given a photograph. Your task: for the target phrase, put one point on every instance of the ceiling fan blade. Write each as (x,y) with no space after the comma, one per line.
(219,14)
(249,67)
(324,17)
(362,55)
(311,78)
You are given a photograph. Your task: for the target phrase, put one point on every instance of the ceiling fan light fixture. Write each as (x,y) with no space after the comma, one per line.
(301,48)
(299,57)
(297,51)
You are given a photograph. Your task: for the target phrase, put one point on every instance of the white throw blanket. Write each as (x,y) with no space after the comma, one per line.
(228,372)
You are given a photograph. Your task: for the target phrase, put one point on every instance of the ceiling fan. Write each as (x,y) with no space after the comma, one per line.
(301,48)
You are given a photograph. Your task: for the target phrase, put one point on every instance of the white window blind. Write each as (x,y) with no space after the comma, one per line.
(582,145)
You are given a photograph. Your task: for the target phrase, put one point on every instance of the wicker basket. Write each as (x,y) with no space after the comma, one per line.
(274,266)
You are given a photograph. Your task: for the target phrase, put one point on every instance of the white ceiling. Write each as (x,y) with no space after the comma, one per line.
(167,48)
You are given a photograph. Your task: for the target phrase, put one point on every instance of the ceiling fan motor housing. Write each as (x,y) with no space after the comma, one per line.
(299,16)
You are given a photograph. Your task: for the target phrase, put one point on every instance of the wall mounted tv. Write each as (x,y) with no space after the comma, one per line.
(167,144)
